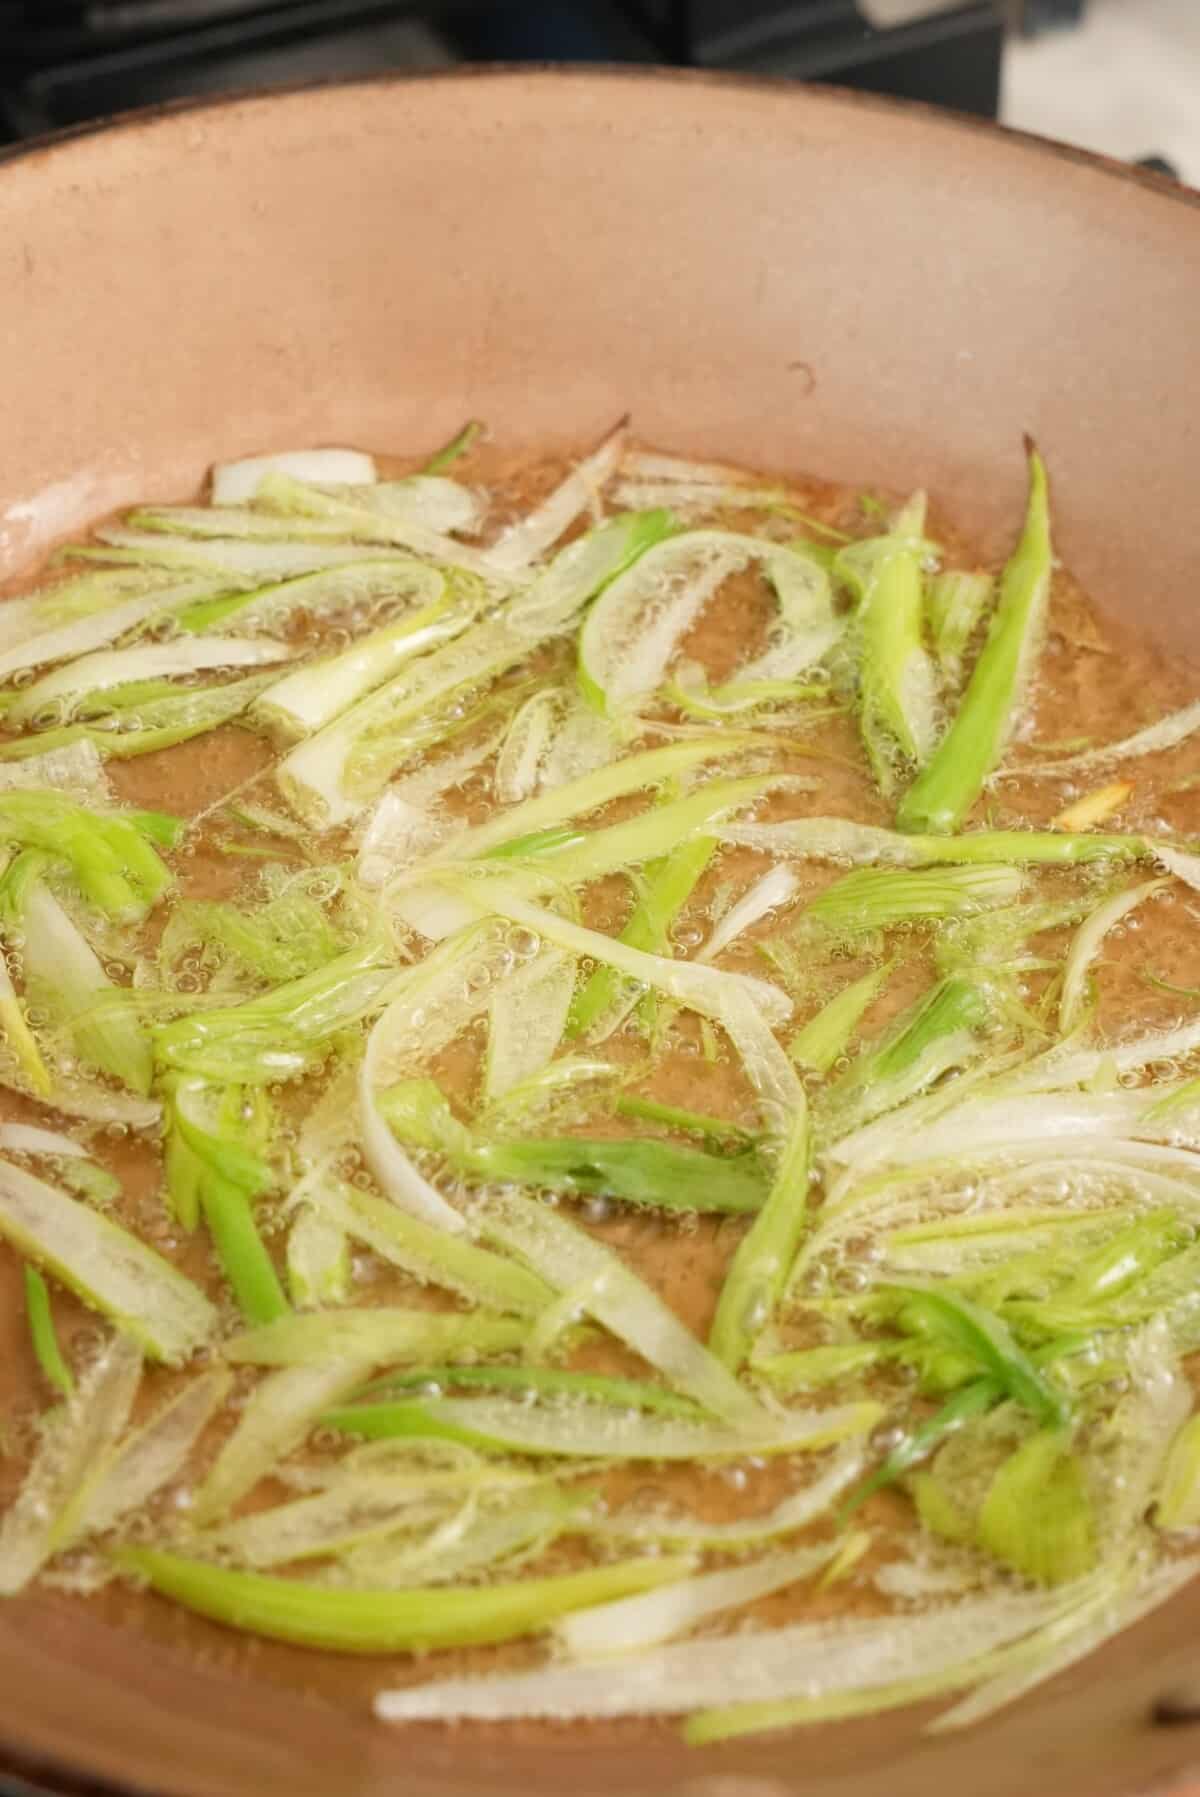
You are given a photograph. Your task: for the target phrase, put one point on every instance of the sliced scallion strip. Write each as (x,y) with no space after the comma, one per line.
(43,1335)
(376,1622)
(593,1431)
(949,785)
(107,1266)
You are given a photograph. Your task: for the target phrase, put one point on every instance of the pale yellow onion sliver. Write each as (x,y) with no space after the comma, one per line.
(704,989)
(569,1258)
(631,1624)
(808,1659)
(47,1511)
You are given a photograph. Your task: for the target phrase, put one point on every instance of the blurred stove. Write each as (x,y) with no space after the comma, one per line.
(63,62)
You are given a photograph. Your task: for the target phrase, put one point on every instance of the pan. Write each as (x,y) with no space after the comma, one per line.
(793,278)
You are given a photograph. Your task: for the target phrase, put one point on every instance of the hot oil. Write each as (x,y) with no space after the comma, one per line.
(1095,682)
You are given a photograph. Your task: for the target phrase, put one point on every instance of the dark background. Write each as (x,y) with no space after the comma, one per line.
(66,61)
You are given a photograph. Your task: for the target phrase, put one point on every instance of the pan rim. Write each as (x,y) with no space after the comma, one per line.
(779,87)
(42,1775)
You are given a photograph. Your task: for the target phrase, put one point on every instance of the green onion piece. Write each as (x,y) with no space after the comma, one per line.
(65,640)
(1161,985)
(945,790)
(775,889)
(79,596)
(808,1367)
(819,1664)
(429,1253)
(1036,1517)
(668,885)
(126,695)
(576,1262)
(708,990)
(555,808)
(42,1333)
(631,1625)
(632,631)
(1001,937)
(1123,1259)
(88,1179)
(311,697)
(663,1175)
(1127,1591)
(159,826)
(226,1175)
(538,842)
(1012,1643)
(77,1439)
(317,778)
(276,1418)
(285,938)
(635,627)
(65,977)
(938,1033)
(19,1038)
(592,1430)
(117,679)
(318,1261)
(110,853)
(1155,739)
(387,1621)
(553,1382)
(458,1552)
(937,1511)
(354,1510)
(374,1337)
(896,680)
(527,539)
(227,572)
(526,1018)
(575,856)
(800,636)
(839,839)
(971,1401)
(826,1036)
(105,1265)
(521,763)
(957,1323)
(673,1116)
(731,1721)
(458,446)
(1086,946)
(412,514)
(682,1529)
(315,581)
(955,603)
(738,698)
(567,1089)
(280,1034)
(241,1251)
(879,898)
(385,1421)
(154,1453)
(162,723)
(759,1270)
(237,482)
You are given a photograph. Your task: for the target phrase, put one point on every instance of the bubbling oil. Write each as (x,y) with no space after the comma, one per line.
(1097,683)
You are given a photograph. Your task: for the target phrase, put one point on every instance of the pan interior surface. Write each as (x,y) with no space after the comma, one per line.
(794,280)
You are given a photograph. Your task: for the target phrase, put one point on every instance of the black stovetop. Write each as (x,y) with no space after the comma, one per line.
(66,61)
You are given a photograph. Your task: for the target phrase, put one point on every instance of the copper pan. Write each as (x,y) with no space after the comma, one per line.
(795,278)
